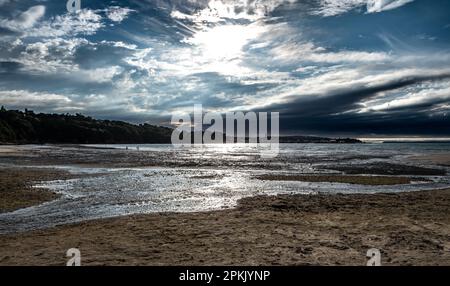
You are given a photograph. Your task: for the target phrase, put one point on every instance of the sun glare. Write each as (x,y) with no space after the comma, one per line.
(224,42)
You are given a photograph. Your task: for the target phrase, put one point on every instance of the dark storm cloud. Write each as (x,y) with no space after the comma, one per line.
(345,100)
(405,123)
(330,114)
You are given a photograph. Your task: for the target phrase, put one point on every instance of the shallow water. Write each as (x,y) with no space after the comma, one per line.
(228,176)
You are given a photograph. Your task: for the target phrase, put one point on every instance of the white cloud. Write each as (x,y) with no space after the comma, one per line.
(25,20)
(119,44)
(84,22)
(433,93)
(56,56)
(308,52)
(126,82)
(52,56)
(100,75)
(33,99)
(285,45)
(337,7)
(218,10)
(384,5)
(118,14)
(141,61)
(54,102)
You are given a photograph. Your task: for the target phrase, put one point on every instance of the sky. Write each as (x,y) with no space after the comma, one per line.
(329,67)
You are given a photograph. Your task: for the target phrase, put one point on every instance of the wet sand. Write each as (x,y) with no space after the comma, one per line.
(409,229)
(439,159)
(16,187)
(359,180)
(382,168)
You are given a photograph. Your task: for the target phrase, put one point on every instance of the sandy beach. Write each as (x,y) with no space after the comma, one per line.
(16,190)
(410,228)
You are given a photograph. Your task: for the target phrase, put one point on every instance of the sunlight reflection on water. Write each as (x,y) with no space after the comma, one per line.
(122,191)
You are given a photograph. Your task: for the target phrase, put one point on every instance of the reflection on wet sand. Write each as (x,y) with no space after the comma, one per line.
(111,182)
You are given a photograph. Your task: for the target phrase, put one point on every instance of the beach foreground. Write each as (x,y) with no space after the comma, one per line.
(408,228)
(317,216)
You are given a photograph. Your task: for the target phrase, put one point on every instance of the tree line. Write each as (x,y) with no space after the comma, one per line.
(27,127)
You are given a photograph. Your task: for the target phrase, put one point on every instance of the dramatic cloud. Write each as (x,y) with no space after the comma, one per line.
(15,98)
(25,20)
(50,56)
(118,14)
(384,5)
(85,22)
(336,7)
(214,11)
(328,66)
